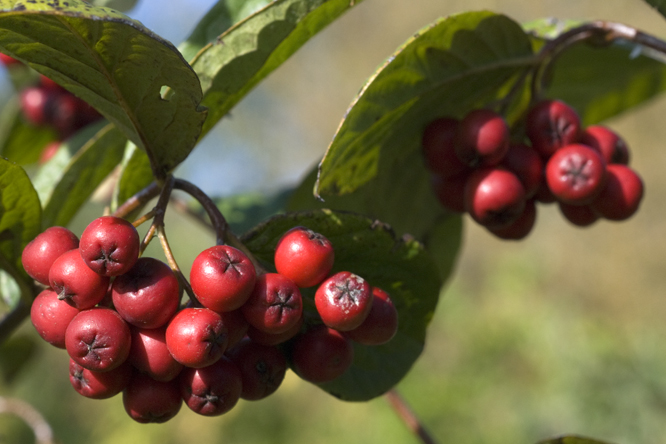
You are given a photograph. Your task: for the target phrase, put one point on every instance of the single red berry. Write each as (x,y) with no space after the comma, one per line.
(98,339)
(321,354)
(211,390)
(264,338)
(576,174)
(237,326)
(150,355)
(147,295)
(222,277)
(527,165)
(579,215)
(494,197)
(521,227)
(99,385)
(482,138)
(438,145)
(51,316)
(42,251)
(196,337)
(38,105)
(550,125)
(621,196)
(262,368)
(149,401)
(611,146)
(450,191)
(275,304)
(110,245)
(303,256)
(75,282)
(381,324)
(343,301)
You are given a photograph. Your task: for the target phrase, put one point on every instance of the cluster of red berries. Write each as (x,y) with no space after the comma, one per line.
(120,319)
(476,169)
(47,104)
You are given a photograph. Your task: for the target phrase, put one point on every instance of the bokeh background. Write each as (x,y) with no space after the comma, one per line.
(561,333)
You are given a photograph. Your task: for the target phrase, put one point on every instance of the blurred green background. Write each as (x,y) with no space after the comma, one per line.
(560,333)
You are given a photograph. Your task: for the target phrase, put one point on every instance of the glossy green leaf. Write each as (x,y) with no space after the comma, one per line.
(572,439)
(253,48)
(135,175)
(20,142)
(457,64)
(658,5)
(82,163)
(116,65)
(20,215)
(118,5)
(370,249)
(218,19)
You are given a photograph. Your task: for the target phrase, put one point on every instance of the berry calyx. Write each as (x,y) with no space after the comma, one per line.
(550,125)
(343,301)
(576,174)
(275,304)
(196,337)
(212,390)
(222,277)
(99,385)
(110,245)
(304,256)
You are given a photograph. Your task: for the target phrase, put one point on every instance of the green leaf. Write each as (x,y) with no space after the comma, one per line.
(603,82)
(20,142)
(116,65)
(20,215)
(135,175)
(118,5)
(658,5)
(572,439)
(244,211)
(10,293)
(88,168)
(14,354)
(253,48)
(370,249)
(218,19)
(459,63)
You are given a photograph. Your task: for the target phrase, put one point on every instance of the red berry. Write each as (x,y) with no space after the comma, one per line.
(521,227)
(611,146)
(211,390)
(304,256)
(99,385)
(343,301)
(438,145)
(321,354)
(75,282)
(450,191)
(275,304)
(149,401)
(264,338)
(237,326)
(579,215)
(576,174)
(51,316)
(149,354)
(42,251)
(110,245)
(621,196)
(196,337)
(147,295)
(494,197)
(8,60)
(381,324)
(38,105)
(262,368)
(482,138)
(98,339)
(527,165)
(550,125)
(222,277)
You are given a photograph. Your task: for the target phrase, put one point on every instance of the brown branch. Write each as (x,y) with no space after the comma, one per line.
(139,199)
(217,219)
(408,416)
(171,260)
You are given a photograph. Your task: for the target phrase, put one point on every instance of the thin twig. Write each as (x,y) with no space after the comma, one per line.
(145,218)
(139,199)
(408,416)
(30,415)
(171,260)
(217,219)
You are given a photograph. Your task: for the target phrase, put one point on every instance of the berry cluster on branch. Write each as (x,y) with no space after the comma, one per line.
(477,169)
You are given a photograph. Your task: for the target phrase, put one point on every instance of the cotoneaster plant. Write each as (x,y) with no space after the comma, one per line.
(337,296)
